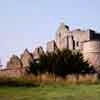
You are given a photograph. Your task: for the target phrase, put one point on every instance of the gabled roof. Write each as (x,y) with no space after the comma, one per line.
(26,52)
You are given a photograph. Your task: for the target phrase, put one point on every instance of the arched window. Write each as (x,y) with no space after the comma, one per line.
(73,44)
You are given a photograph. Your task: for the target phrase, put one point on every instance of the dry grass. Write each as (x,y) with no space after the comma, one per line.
(46,79)
(69,79)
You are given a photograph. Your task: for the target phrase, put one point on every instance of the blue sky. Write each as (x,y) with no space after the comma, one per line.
(31,23)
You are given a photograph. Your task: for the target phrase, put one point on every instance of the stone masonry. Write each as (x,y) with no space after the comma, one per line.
(82,40)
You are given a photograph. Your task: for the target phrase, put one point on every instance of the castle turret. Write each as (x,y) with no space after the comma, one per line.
(60,34)
(14,62)
(37,52)
(26,58)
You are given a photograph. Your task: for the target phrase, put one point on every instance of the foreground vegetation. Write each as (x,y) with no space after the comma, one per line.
(51,92)
(54,76)
(61,63)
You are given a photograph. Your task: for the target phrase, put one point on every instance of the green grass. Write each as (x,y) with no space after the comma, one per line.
(51,92)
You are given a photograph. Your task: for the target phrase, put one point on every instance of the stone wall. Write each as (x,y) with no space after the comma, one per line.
(91,52)
(73,38)
(26,58)
(79,37)
(85,41)
(12,72)
(37,52)
(51,46)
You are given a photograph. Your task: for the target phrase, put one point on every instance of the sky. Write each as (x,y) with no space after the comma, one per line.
(32,23)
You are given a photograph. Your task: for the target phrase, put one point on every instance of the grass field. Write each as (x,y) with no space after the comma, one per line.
(51,92)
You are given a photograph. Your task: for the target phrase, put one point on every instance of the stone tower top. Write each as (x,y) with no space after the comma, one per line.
(62,26)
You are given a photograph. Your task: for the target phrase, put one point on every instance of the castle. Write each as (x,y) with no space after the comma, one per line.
(87,42)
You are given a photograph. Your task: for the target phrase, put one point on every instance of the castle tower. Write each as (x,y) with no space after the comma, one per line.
(60,34)
(26,58)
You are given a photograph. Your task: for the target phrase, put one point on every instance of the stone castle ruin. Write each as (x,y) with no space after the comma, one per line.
(87,42)
(16,66)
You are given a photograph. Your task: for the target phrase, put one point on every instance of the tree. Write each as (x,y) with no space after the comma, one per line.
(34,68)
(61,63)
